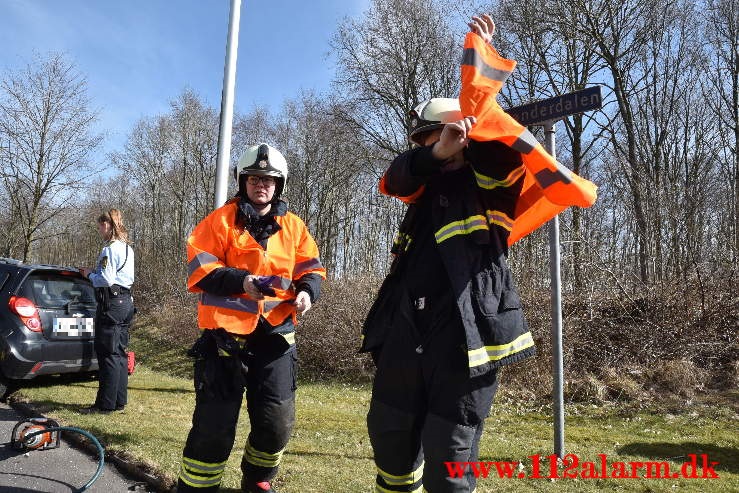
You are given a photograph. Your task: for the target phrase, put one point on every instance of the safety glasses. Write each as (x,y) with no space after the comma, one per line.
(268,181)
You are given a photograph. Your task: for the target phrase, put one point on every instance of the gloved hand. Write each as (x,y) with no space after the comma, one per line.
(302,303)
(264,284)
(251,289)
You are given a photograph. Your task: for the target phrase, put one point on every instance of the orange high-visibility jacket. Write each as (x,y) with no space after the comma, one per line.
(217,242)
(548,187)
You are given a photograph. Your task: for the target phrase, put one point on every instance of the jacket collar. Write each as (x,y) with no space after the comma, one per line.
(279,208)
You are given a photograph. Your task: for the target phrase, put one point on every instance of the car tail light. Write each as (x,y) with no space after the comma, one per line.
(27,311)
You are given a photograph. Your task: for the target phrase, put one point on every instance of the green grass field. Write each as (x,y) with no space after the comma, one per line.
(329,451)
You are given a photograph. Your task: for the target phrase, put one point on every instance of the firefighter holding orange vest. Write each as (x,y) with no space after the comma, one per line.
(256,267)
(448,316)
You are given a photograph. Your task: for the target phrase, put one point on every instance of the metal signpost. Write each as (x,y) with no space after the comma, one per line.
(546,113)
(227,104)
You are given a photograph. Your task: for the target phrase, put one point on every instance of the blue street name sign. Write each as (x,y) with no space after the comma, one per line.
(555,108)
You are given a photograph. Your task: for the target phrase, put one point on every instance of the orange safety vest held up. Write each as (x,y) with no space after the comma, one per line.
(216,242)
(548,187)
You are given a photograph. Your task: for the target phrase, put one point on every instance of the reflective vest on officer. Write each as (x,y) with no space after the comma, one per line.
(216,242)
(548,187)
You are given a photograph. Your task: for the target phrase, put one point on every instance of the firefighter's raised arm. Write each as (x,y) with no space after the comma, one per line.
(483,26)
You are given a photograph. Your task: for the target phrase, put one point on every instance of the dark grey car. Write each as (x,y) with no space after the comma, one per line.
(47,317)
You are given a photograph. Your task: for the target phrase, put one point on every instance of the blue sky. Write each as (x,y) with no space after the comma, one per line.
(139,54)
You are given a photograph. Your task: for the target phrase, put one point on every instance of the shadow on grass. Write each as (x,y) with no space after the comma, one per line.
(51,380)
(106,433)
(84,382)
(169,390)
(298,453)
(727,457)
(45,406)
(67,379)
(497,458)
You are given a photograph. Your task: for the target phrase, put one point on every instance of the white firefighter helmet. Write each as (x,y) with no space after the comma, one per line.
(432,114)
(262,160)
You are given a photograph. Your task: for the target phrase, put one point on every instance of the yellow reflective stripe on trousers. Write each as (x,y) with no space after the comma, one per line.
(482,355)
(289,337)
(210,475)
(199,481)
(461,227)
(490,183)
(409,478)
(206,467)
(263,459)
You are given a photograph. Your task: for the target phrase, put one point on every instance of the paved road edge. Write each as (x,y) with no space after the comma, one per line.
(135,470)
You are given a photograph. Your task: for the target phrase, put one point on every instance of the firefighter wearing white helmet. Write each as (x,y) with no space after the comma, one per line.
(256,267)
(432,114)
(448,315)
(262,160)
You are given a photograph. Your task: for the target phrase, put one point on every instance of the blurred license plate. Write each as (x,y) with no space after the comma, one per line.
(74,327)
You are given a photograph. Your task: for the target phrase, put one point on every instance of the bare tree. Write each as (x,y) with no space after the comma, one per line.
(552,60)
(722,94)
(328,179)
(191,186)
(10,231)
(46,126)
(146,159)
(671,141)
(395,55)
(399,53)
(619,31)
(168,163)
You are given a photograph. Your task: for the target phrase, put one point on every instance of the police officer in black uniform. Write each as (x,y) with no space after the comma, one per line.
(112,279)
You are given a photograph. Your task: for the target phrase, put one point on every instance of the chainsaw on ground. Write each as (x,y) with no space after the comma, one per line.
(31,434)
(45,433)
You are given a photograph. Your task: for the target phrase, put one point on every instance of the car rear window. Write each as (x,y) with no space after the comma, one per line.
(50,290)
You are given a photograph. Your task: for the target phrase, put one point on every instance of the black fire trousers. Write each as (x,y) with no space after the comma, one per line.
(112,321)
(425,408)
(267,372)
